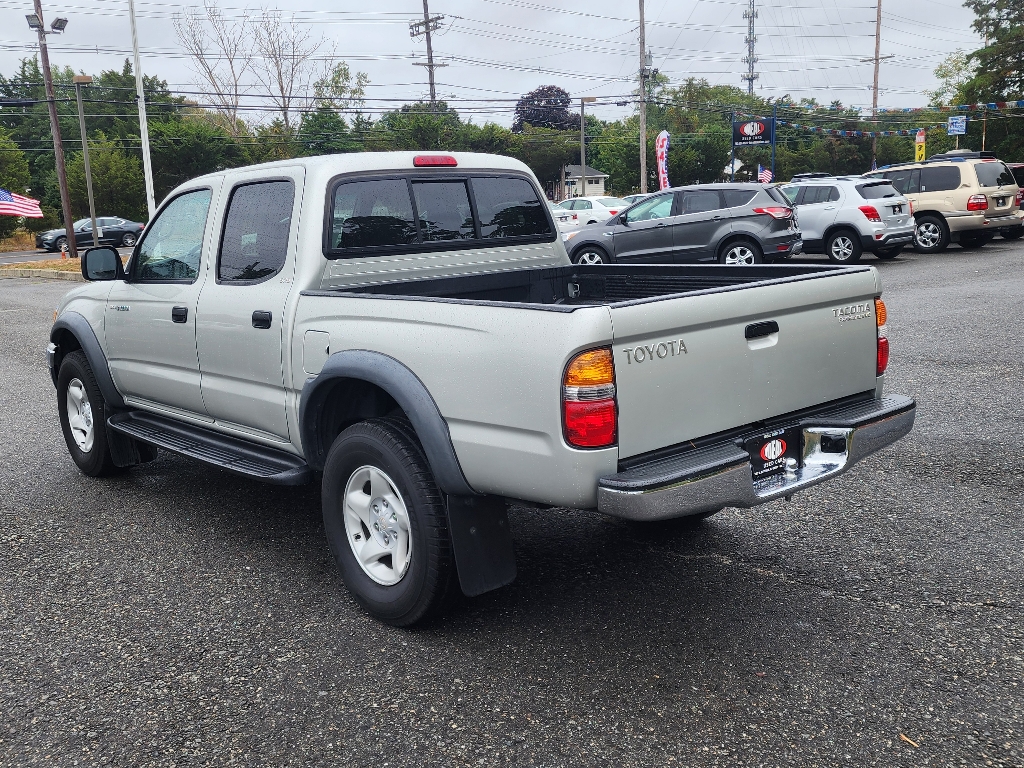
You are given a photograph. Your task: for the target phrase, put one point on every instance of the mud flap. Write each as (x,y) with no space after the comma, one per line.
(482,540)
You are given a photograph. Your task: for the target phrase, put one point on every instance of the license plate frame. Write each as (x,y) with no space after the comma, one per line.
(770,451)
(896,209)
(1001,201)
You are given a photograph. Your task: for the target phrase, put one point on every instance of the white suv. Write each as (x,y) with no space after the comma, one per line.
(843,216)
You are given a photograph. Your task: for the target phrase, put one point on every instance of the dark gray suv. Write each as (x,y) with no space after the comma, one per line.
(728,223)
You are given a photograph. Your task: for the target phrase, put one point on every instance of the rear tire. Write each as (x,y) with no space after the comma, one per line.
(128,240)
(888,253)
(380,501)
(589,254)
(843,247)
(1012,233)
(931,235)
(740,253)
(83,416)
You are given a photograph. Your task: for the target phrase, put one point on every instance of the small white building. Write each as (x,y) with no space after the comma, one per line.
(595,182)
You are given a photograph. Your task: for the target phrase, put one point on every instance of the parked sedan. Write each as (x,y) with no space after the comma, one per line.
(594,209)
(566,219)
(112,231)
(728,223)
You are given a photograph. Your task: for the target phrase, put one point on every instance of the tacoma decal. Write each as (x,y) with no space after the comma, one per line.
(853,311)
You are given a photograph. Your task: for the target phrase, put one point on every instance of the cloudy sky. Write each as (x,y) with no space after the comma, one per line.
(497,50)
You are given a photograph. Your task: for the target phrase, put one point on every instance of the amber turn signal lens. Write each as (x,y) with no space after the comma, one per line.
(880,314)
(590,368)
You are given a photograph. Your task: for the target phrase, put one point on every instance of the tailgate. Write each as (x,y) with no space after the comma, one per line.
(824,349)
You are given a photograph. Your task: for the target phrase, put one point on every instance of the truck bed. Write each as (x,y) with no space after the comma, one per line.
(566,288)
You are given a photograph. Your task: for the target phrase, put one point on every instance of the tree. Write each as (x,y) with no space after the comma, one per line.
(325,132)
(190,147)
(222,56)
(953,74)
(547,150)
(337,89)
(117,182)
(417,126)
(14,177)
(285,63)
(545,107)
(999,74)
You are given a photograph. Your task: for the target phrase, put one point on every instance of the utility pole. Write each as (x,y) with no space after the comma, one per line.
(424,28)
(643,103)
(147,162)
(35,21)
(583,142)
(750,59)
(79,81)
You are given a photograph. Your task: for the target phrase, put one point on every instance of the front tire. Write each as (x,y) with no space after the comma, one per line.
(888,253)
(591,255)
(740,253)
(128,240)
(971,240)
(843,247)
(386,523)
(60,243)
(83,416)
(1012,233)
(931,235)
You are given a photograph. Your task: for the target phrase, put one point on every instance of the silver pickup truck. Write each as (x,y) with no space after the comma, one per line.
(409,325)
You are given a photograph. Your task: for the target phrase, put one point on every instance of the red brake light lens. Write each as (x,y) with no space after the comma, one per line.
(613,212)
(977,203)
(590,424)
(870,212)
(776,212)
(883,356)
(1020,197)
(433,161)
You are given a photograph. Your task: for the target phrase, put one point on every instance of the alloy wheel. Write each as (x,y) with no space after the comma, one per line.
(739,255)
(377,525)
(928,234)
(80,415)
(590,257)
(842,248)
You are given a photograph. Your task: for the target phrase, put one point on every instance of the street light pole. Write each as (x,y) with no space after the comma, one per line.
(147,162)
(79,81)
(583,142)
(58,145)
(643,103)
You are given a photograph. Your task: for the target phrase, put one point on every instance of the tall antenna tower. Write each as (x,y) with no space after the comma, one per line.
(424,28)
(750,59)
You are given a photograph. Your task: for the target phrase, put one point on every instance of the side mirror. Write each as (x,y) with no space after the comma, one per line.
(102,263)
(623,220)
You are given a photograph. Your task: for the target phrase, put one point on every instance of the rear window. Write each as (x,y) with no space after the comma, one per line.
(877,190)
(737,197)
(940,179)
(508,208)
(1018,175)
(993,174)
(612,202)
(407,213)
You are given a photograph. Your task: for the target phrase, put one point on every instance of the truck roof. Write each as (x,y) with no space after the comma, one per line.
(353,162)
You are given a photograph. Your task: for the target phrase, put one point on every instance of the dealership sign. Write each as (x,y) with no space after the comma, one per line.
(748,133)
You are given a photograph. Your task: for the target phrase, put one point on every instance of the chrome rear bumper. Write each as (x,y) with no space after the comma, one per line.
(709,478)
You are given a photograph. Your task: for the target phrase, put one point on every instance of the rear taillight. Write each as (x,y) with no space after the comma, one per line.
(1020,197)
(882,359)
(911,203)
(434,161)
(588,400)
(613,212)
(776,212)
(870,212)
(575,216)
(977,203)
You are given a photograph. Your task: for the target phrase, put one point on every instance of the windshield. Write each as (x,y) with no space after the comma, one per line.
(612,202)
(993,174)
(82,222)
(877,190)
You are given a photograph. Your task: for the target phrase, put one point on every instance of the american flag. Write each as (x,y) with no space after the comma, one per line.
(16,205)
(763,174)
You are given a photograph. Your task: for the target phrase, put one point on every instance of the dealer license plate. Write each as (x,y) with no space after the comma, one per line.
(1000,201)
(897,209)
(769,452)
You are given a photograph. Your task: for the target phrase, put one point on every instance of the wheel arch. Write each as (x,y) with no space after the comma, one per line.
(839,226)
(72,331)
(737,237)
(357,384)
(593,246)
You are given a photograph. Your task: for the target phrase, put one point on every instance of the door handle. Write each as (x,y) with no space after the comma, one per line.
(179,314)
(830,207)
(261,319)
(660,224)
(716,218)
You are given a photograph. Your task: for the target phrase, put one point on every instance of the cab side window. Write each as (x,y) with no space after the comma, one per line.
(254,245)
(173,244)
(907,182)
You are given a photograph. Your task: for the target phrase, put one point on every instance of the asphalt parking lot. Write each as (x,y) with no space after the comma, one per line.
(178,615)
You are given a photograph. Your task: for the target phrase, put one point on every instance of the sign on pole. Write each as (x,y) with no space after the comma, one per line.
(919,144)
(957,125)
(751,133)
(661,152)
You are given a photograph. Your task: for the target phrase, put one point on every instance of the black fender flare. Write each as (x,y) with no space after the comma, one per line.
(79,327)
(406,389)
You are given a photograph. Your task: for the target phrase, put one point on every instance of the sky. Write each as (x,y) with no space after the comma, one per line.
(496,50)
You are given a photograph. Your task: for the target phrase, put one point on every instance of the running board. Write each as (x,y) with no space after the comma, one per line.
(230,453)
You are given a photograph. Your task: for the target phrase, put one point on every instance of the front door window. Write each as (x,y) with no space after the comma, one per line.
(173,243)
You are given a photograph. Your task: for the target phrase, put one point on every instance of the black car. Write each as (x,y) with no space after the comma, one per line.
(112,231)
(728,223)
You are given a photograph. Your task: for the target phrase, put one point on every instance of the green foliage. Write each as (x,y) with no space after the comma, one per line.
(117,183)
(189,147)
(14,177)
(1000,64)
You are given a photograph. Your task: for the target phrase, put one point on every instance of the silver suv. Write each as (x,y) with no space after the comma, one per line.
(843,216)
